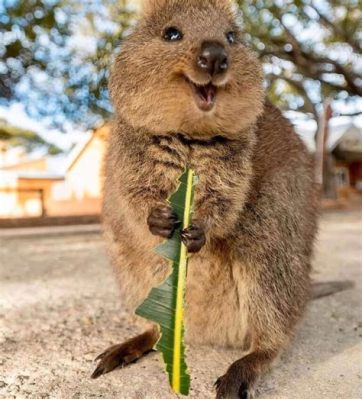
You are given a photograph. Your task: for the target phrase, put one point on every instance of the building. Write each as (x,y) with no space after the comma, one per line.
(71,185)
(347,153)
(80,192)
(55,186)
(25,193)
(344,147)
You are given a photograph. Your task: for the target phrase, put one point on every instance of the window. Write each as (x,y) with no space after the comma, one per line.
(342,176)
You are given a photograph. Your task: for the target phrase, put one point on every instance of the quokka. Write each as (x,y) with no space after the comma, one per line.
(188,92)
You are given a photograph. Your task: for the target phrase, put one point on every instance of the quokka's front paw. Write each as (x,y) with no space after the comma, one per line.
(194,238)
(162,221)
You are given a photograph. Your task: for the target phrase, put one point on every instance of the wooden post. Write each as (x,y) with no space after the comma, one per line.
(323,160)
(42,200)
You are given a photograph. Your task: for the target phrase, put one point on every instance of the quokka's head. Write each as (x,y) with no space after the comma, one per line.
(185,69)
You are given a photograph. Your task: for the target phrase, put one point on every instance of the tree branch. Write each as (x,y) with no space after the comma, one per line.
(298,85)
(302,58)
(349,75)
(312,67)
(352,114)
(337,30)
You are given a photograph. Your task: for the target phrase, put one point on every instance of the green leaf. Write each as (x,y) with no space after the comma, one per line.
(165,304)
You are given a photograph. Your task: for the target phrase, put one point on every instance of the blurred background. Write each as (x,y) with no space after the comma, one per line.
(54,105)
(59,306)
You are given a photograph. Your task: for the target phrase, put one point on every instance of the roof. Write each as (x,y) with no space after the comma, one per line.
(38,176)
(307,135)
(55,166)
(338,132)
(31,175)
(79,149)
(17,156)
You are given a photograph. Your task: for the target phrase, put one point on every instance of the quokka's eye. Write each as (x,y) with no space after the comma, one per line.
(231,37)
(172,34)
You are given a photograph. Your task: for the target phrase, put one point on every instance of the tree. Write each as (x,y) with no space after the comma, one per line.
(27,31)
(55,56)
(28,139)
(310,50)
(56,53)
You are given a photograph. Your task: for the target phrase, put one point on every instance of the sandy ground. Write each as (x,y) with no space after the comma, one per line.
(59,308)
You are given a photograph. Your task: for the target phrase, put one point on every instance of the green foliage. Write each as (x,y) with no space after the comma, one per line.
(165,304)
(28,139)
(311,49)
(55,54)
(24,27)
(87,78)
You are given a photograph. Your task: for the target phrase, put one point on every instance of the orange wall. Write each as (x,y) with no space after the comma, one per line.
(87,206)
(23,197)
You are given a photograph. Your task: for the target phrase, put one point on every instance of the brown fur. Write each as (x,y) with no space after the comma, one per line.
(146,81)
(256,200)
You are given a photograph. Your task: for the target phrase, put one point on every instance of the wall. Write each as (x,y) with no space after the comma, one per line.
(8,195)
(84,178)
(356,174)
(79,193)
(23,197)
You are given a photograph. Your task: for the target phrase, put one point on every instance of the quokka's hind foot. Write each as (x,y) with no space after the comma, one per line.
(239,381)
(233,389)
(121,355)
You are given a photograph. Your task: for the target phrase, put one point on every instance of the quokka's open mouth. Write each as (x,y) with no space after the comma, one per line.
(205,95)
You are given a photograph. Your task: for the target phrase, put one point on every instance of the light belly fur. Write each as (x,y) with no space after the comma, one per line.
(217,311)
(216,295)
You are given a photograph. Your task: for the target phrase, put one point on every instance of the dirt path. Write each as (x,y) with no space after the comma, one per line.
(59,309)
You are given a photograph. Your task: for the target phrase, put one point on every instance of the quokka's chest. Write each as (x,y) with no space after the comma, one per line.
(191,149)
(174,153)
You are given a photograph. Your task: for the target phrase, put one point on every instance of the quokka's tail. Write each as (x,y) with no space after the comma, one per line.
(322,289)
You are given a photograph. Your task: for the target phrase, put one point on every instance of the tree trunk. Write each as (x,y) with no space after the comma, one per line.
(325,166)
(329,179)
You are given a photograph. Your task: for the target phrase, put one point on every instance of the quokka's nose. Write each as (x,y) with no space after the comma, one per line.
(213,58)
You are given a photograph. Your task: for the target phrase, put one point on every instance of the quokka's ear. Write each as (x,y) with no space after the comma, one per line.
(229,4)
(149,6)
